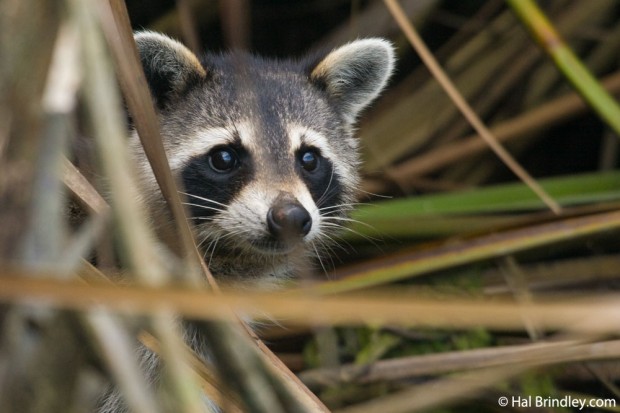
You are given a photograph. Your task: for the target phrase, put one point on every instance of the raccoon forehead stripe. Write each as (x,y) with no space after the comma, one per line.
(247,134)
(201,143)
(301,135)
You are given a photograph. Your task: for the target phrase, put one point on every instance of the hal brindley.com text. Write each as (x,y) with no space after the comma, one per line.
(545,402)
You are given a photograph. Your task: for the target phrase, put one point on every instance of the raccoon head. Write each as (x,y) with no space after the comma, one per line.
(264,149)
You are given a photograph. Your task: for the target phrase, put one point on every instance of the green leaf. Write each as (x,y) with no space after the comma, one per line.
(478,209)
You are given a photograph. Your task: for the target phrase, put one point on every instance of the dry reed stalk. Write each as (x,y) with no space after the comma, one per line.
(235,17)
(29,31)
(145,119)
(543,116)
(590,314)
(547,276)
(211,385)
(117,348)
(118,31)
(103,103)
(437,393)
(53,371)
(464,107)
(406,264)
(469,385)
(374,20)
(547,353)
(567,62)
(188,26)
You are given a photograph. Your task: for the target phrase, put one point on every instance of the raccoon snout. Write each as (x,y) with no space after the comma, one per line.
(288,220)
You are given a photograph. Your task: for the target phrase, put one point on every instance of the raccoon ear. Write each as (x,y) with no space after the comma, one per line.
(170,67)
(354,74)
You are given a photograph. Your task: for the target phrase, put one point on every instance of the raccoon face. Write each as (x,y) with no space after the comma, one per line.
(264,149)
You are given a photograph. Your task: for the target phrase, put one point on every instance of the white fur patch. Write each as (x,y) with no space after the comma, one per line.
(300,135)
(371,60)
(202,143)
(252,204)
(183,57)
(247,134)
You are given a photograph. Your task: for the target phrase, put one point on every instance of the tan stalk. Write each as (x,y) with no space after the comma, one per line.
(459,101)
(591,314)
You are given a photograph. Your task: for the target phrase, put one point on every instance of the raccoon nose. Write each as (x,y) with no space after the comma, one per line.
(288,220)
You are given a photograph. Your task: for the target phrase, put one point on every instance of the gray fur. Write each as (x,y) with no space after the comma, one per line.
(272,109)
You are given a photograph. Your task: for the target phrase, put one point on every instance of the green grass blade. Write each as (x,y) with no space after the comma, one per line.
(407,264)
(566,61)
(477,209)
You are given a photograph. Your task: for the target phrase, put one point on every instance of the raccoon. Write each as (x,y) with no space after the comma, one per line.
(264,151)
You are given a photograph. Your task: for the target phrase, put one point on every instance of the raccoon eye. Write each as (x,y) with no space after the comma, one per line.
(223,160)
(309,160)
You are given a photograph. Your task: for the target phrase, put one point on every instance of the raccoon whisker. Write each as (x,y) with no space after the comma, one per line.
(328,250)
(318,256)
(377,195)
(345,219)
(359,234)
(340,211)
(213,249)
(203,217)
(337,244)
(203,206)
(352,204)
(213,244)
(333,225)
(329,220)
(213,237)
(206,251)
(341,207)
(325,223)
(201,243)
(203,199)
(229,234)
(208,238)
(326,247)
(324,194)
